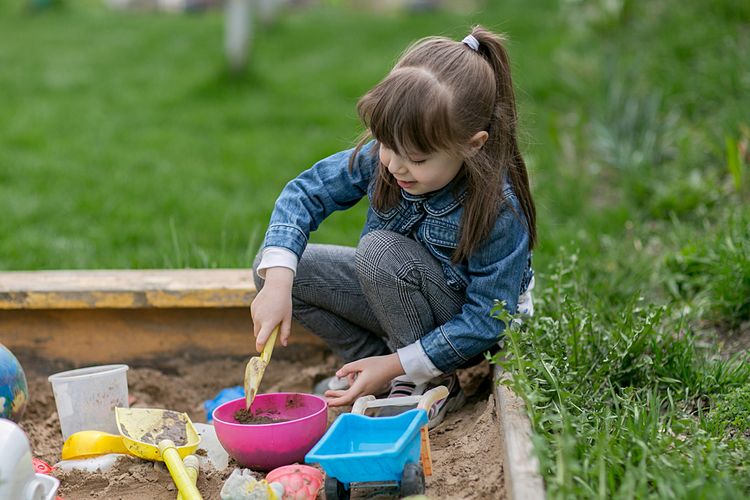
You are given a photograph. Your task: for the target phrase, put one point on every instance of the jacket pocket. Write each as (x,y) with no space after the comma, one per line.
(441,240)
(377,219)
(387,215)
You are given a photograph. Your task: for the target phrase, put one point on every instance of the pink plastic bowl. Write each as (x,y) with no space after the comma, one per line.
(263,447)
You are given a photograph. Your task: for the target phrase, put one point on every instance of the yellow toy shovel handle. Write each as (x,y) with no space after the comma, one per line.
(177,470)
(268,348)
(192,467)
(256,367)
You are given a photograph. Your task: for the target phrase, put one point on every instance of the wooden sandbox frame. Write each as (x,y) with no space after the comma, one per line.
(55,320)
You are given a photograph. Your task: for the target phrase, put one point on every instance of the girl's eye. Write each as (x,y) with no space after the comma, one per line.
(417,162)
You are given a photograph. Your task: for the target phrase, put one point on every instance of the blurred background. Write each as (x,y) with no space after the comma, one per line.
(158,133)
(128,141)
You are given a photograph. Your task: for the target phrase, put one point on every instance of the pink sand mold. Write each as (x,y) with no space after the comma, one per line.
(301,482)
(264,447)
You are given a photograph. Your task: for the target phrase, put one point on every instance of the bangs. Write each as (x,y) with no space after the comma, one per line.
(409,112)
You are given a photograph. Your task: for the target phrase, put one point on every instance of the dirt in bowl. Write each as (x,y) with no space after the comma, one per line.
(246,417)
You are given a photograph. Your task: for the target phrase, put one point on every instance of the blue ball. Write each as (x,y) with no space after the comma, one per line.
(14,393)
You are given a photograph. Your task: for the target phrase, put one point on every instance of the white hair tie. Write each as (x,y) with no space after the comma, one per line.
(472,42)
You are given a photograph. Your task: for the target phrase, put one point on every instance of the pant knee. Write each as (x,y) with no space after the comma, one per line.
(371,242)
(382,256)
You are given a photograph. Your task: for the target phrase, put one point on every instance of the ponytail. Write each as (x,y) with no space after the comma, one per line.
(502,142)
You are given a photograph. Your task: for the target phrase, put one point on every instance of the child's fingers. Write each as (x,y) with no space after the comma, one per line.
(286,331)
(334,393)
(349,369)
(339,398)
(256,331)
(262,338)
(256,323)
(333,397)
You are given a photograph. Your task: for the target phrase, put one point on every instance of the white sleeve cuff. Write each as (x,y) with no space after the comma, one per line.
(526,301)
(417,364)
(277,257)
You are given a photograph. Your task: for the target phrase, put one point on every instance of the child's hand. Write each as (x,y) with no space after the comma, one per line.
(366,376)
(273,306)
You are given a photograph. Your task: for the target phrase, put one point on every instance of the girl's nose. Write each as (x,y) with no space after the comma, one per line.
(395,165)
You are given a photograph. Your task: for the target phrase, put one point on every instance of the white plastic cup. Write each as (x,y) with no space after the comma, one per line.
(86,398)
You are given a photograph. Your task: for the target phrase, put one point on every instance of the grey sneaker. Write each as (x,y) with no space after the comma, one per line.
(401,387)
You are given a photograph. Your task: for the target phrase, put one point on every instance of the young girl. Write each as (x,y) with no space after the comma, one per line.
(449,229)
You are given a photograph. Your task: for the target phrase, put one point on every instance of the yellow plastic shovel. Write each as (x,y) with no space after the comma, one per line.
(255,368)
(161,435)
(84,444)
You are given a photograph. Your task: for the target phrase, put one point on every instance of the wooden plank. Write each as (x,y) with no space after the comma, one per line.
(79,318)
(81,337)
(126,289)
(522,478)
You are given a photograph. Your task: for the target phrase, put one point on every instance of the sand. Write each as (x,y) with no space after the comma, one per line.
(466,447)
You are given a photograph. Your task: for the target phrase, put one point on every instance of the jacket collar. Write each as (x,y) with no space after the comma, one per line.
(440,202)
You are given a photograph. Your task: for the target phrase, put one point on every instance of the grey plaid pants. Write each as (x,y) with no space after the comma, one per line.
(373,299)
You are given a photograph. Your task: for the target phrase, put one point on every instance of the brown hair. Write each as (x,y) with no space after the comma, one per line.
(440,93)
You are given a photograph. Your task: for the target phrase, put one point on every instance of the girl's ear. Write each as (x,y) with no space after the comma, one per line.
(477,141)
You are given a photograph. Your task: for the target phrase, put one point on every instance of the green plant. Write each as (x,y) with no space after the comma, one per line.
(737,157)
(714,271)
(735,162)
(616,395)
(731,413)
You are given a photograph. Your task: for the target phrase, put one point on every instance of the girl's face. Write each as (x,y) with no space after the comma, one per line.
(418,173)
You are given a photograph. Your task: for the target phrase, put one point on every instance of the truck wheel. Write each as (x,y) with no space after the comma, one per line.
(335,489)
(412,480)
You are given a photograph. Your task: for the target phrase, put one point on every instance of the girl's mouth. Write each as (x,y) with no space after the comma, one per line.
(404,184)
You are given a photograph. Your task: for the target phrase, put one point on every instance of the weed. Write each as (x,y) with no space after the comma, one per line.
(731,413)
(714,271)
(617,397)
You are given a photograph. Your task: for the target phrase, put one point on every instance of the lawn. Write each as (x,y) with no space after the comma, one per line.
(124,143)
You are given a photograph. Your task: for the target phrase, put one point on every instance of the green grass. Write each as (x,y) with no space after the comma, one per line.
(628,396)
(124,143)
(713,273)
(622,398)
(731,413)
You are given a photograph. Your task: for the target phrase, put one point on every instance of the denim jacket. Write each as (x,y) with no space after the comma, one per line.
(498,269)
